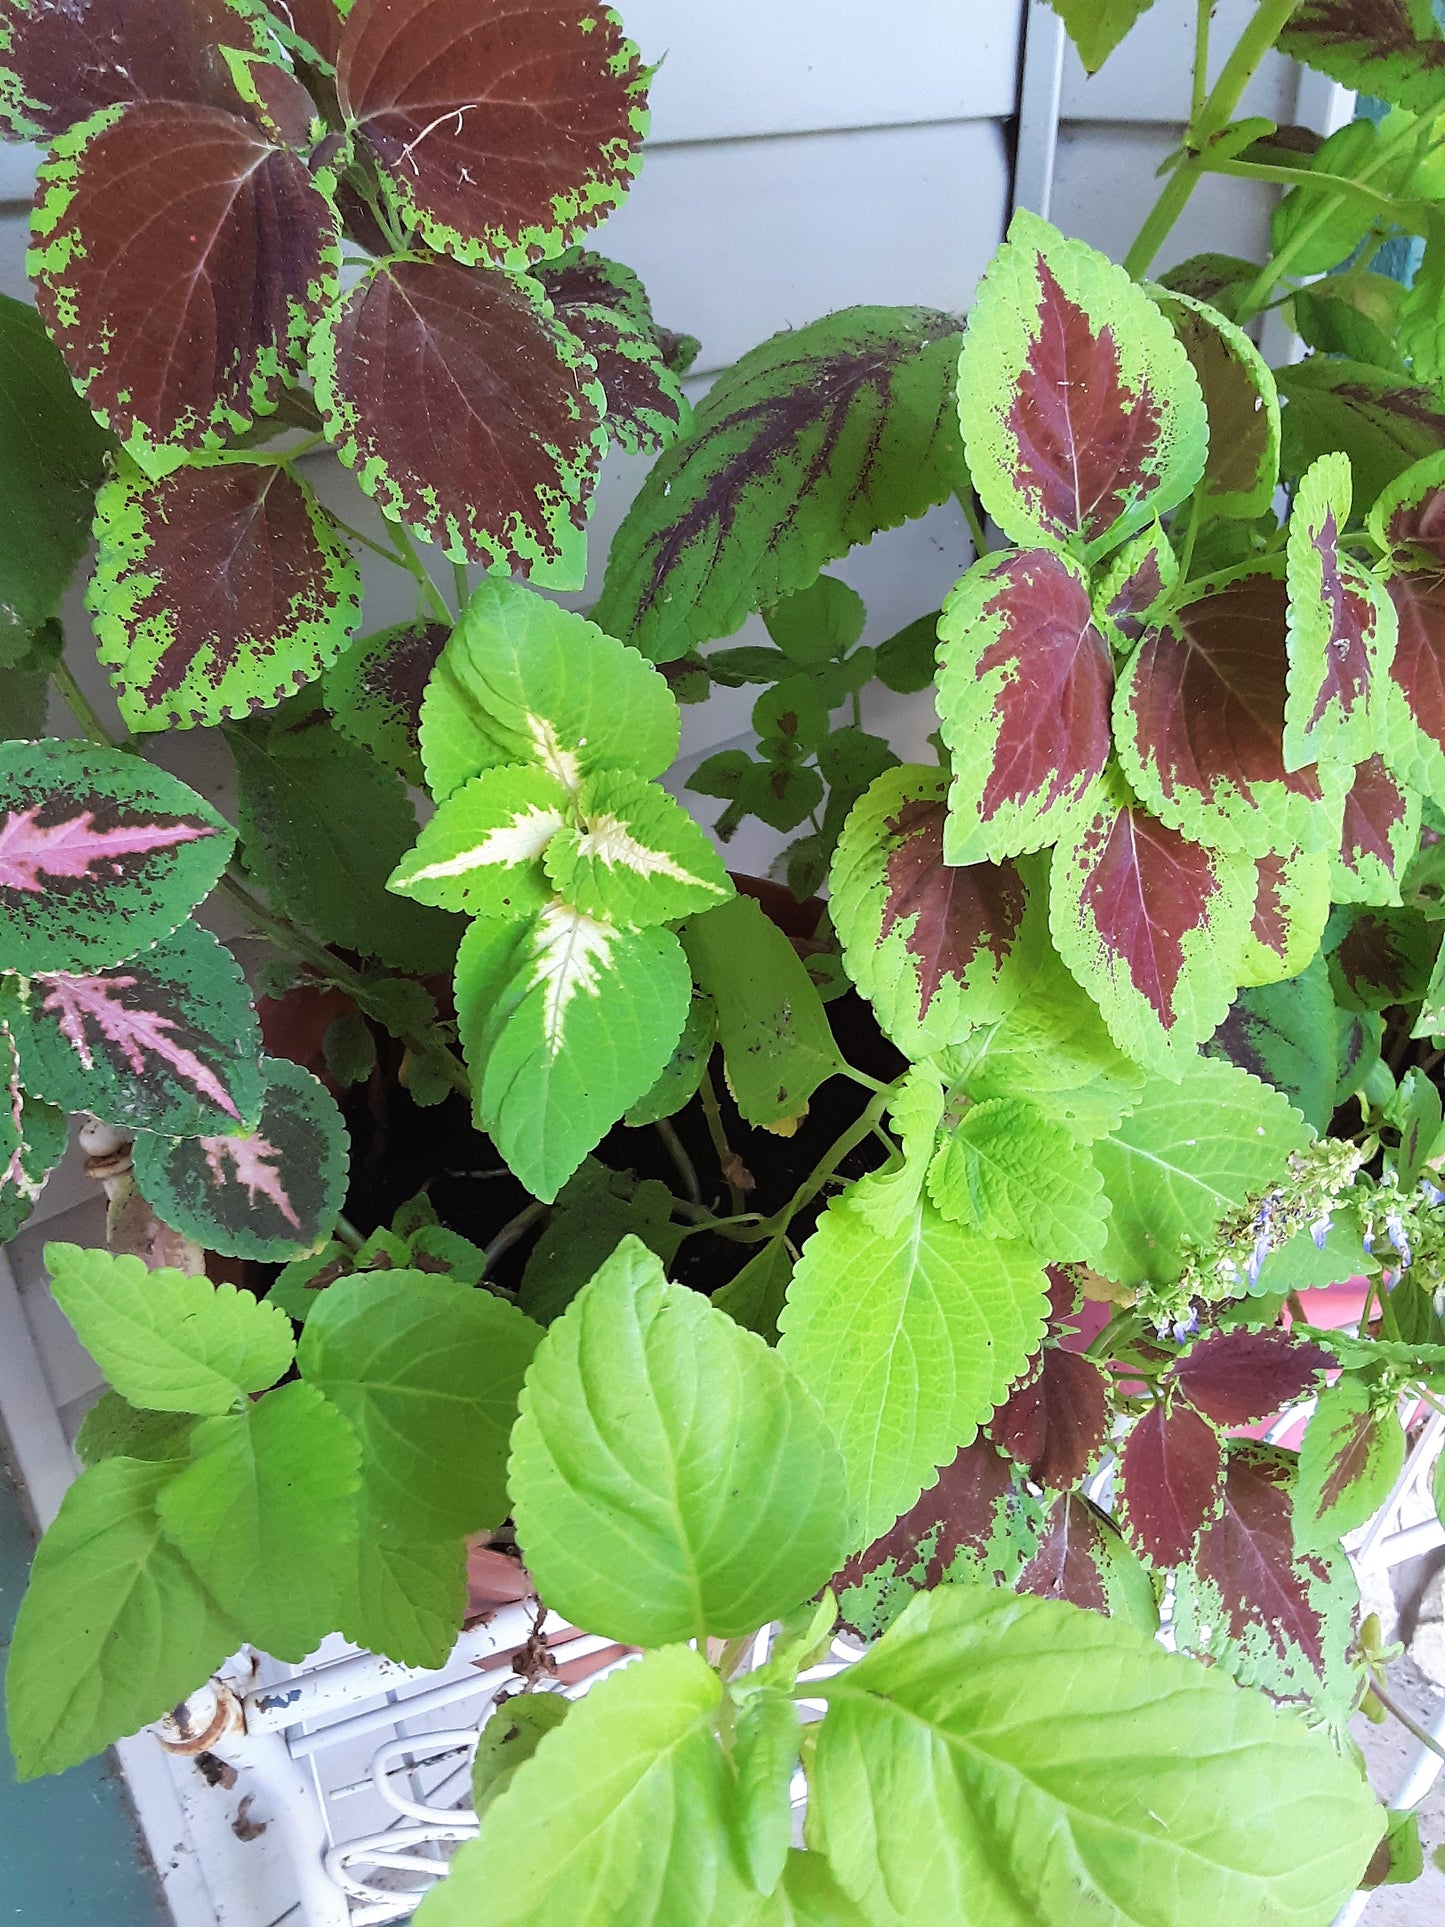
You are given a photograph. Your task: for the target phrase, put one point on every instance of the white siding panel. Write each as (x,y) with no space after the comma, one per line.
(17,170)
(790,66)
(14,238)
(1104,185)
(737,241)
(1148,74)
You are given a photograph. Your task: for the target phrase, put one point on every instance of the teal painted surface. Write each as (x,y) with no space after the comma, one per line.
(69,1850)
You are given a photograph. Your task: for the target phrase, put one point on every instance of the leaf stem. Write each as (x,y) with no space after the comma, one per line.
(514,1229)
(461,584)
(1203,15)
(861,1128)
(377,548)
(1396,1711)
(677,1151)
(972,514)
(407,549)
(80,705)
(724,1151)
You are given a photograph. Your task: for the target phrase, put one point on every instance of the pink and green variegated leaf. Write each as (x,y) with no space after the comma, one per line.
(59,64)
(100,854)
(468,411)
(270,1193)
(166,1041)
(506,128)
(1150,924)
(1081,415)
(1291,908)
(33,1137)
(606,307)
(1023,697)
(374,691)
(928,943)
(1199,717)
(1170,1482)
(217,591)
(1342,628)
(189,212)
(1381,833)
(1129,593)
(1241,471)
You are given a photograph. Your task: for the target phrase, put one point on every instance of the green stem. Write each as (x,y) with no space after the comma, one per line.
(1295,176)
(825,1167)
(1203,15)
(461,585)
(1396,1711)
(713,1114)
(377,548)
(80,705)
(969,503)
(407,549)
(272,457)
(513,1230)
(677,1151)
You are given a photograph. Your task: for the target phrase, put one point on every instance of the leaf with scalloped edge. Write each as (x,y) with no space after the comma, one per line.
(1241,471)
(270,1193)
(524,681)
(1351,1455)
(166,196)
(813,442)
(1237,1376)
(166,1041)
(1150,924)
(565,1022)
(1024,685)
(1128,590)
(402,1595)
(33,1137)
(606,307)
(1084,1558)
(100,854)
(1054,1422)
(908,1340)
(634,855)
(1284,1033)
(1097,26)
(374,691)
(1393,49)
(468,411)
(1291,908)
(1381,420)
(1170,1483)
(1342,629)
(927,943)
(1258,1607)
(1199,720)
(482,851)
(61,63)
(1011,1170)
(1081,415)
(217,591)
(504,129)
(1380,835)
(978,1521)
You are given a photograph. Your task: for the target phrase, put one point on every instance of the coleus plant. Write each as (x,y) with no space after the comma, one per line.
(948,1314)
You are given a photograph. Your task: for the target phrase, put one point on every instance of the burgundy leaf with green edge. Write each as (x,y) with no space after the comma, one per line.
(1417,749)
(1241,471)
(1199,719)
(1380,834)
(979,1522)
(1291,908)
(505,127)
(1083,1558)
(1023,696)
(1407,520)
(186,212)
(166,1041)
(1150,924)
(1081,414)
(270,1193)
(928,943)
(606,307)
(1054,1423)
(1170,1482)
(1250,1601)
(1342,629)
(61,60)
(1236,1377)
(1383,957)
(100,854)
(1350,1457)
(217,591)
(1131,588)
(468,411)
(374,691)
(33,1137)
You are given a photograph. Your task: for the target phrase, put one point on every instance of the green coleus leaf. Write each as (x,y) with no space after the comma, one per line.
(1390,48)
(1241,471)
(1291,909)
(659,1438)
(1284,1034)
(25,681)
(264,1512)
(428,1373)
(776,1044)
(115,1629)
(323,824)
(1381,421)
(1379,836)
(100,854)
(1150,924)
(595,1211)
(684,1070)
(1081,415)
(634,856)
(374,689)
(817,624)
(1010,1170)
(1342,629)
(766,1740)
(813,442)
(754,1296)
(638,1778)
(908,1340)
(167,1041)
(524,681)
(1097,26)
(115,1429)
(1188,1154)
(168,1342)
(981,1724)
(809,1896)
(217,591)
(402,1595)
(565,1022)
(1353,1449)
(33,1137)
(269,1193)
(52,462)
(482,851)
(509,1739)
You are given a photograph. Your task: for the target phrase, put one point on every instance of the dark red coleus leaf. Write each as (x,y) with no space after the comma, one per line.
(957,913)
(1131,599)
(604,305)
(1379,833)
(507,126)
(61,60)
(1236,1377)
(312,27)
(1418,669)
(470,412)
(1169,1482)
(180,262)
(1418,522)
(1081,1558)
(1054,1423)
